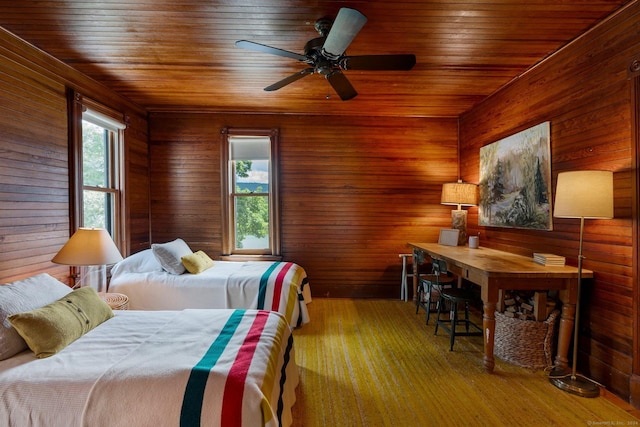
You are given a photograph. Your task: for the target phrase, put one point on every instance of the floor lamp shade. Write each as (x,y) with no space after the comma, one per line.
(88,246)
(584,194)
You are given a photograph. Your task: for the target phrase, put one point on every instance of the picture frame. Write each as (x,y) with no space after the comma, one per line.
(515,181)
(449,236)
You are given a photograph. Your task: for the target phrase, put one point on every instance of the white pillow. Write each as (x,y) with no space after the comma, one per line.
(141,262)
(20,296)
(170,254)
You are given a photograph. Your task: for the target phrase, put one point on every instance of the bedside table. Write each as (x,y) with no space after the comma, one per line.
(116,301)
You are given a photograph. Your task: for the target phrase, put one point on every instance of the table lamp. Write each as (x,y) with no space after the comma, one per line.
(459,194)
(87,247)
(581,194)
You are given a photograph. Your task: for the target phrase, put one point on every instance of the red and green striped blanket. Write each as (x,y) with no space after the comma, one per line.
(204,368)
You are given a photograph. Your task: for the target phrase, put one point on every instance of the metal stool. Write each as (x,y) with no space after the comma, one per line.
(407,273)
(455,296)
(430,286)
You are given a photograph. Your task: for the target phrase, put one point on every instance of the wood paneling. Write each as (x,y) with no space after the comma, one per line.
(353,190)
(138,202)
(34,160)
(584,91)
(181,55)
(185,181)
(34,210)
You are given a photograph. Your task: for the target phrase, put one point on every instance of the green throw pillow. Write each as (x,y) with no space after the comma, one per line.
(49,329)
(197,262)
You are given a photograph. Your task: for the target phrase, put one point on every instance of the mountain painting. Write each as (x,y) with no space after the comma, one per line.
(515,181)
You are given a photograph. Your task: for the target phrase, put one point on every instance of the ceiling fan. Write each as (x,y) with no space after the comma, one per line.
(326,54)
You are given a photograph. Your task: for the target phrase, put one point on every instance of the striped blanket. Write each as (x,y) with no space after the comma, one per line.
(276,286)
(205,368)
(276,294)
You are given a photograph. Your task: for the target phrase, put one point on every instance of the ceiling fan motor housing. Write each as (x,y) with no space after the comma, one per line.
(321,64)
(313,49)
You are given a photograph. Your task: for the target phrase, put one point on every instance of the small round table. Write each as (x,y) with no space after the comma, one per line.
(116,301)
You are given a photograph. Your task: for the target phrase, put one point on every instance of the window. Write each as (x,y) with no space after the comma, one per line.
(250,193)
(99,172)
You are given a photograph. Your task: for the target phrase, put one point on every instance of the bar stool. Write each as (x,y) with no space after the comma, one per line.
(455,296)
(430,286)
(407,273)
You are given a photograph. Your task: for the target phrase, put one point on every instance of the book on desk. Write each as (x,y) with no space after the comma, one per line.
(548,259)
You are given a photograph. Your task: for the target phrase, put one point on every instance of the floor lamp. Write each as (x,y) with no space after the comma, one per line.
(581,194)
(87,247)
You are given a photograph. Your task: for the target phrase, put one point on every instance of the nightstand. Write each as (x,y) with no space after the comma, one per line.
(116,301)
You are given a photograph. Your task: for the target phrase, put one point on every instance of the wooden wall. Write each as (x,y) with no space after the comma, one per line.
(353,190)
(34,159)
(585,92)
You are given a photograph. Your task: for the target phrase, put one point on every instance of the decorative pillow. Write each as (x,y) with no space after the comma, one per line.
(24,295)
(49,329)
(197,262)
(170,254)
(141,262)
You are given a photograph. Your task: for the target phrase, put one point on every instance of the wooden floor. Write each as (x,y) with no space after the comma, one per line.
(376,363)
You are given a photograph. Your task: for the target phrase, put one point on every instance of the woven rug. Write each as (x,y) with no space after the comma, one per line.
(376,363)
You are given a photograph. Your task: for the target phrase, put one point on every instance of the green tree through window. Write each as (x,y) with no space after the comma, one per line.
(252,213)
(94,174)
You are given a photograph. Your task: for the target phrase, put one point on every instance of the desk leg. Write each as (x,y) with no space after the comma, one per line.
(565,332)
(489,328)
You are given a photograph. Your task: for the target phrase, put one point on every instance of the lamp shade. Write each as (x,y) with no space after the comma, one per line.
(459,193)
(584,194)
(88,246)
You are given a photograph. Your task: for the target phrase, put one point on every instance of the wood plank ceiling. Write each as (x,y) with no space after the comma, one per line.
(180,54)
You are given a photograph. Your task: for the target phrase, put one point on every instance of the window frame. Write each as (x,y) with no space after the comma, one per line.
(115,123)
(229,250)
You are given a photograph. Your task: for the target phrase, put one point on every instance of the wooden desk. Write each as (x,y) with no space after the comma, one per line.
(496,270)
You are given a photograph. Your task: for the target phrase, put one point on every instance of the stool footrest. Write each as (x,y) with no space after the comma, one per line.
(460,295)
(455,296)
(446,326)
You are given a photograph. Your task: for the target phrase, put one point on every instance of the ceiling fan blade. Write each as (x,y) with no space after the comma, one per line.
(379,62)
(292,78)
(341,85)
(246,44)
(344,29)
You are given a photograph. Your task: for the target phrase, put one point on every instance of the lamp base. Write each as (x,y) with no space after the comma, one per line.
(574,384)
(459,222)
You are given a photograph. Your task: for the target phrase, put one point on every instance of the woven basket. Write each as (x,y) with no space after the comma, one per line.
(526,343)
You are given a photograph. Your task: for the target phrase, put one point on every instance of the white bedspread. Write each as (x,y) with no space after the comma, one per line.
(223,367)
(277,286)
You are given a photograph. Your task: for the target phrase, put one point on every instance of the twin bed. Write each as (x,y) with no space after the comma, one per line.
(189,368)
(172,359)
(275,286)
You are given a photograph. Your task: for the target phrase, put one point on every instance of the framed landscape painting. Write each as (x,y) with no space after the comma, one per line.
(515,181)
